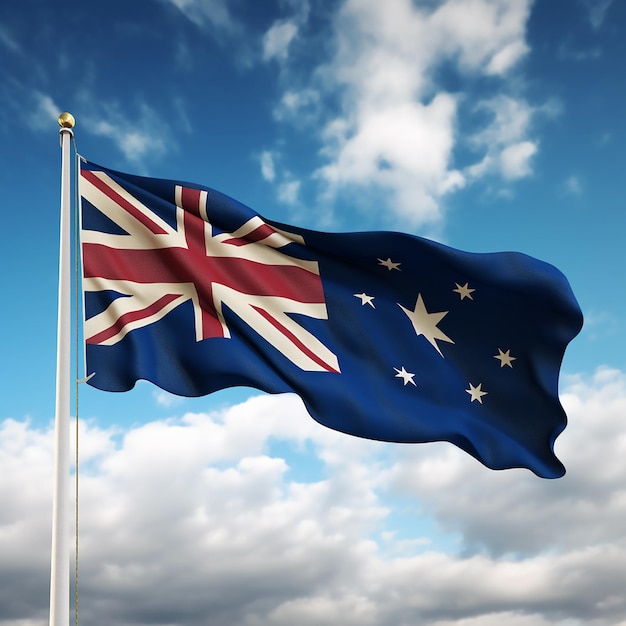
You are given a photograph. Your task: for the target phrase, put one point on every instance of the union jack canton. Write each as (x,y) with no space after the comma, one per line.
(384,335)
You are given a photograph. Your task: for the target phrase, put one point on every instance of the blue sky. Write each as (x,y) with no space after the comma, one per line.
(485,124)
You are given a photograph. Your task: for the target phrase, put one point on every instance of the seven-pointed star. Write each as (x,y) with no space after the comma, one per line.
(476,392)
(505,358)
(389,264)
(365,299)
(425,323)
(464,291)
(407,377)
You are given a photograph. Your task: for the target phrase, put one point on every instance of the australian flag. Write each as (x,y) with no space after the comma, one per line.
(383,335)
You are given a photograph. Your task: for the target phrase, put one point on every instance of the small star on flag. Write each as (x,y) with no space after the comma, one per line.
(389,264)
(476,392)
(464,291)
(365,299)
(505,358)
(407,377)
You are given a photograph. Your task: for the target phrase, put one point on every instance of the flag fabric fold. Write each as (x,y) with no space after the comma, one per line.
(383,335)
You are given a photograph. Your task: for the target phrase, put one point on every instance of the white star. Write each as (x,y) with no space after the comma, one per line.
(505,358)
(425,323)
(464,291)
(407,377)
(476,392)
(389,264)
(365,299)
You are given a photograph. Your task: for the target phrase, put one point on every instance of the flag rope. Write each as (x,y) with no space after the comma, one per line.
(77,267)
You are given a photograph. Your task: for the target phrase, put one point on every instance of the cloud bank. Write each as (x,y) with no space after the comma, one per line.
(200,519)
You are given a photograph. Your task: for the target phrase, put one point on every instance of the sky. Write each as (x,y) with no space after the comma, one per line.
(487,125)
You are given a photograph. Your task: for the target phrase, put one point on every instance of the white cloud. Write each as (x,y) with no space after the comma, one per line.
(299,107)
(510,121)
(515,160)
(165,399)
(277,39)
(507,152)
(282,32)
(402,148)
(138,132)
(288,191)
(506,58)
(201,509)
(268,169)
(486,34)
(45,111)
(397,127)
(137,137)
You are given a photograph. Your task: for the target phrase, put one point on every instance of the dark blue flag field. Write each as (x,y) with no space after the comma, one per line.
(383,335)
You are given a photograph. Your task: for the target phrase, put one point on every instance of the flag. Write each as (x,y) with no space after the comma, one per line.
(383,335)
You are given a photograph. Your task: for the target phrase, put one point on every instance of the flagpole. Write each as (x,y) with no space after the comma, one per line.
(60,557)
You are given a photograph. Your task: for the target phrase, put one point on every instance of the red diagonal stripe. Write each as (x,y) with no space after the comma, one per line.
(303,348)
(258,234)
(132,316)
(122,202)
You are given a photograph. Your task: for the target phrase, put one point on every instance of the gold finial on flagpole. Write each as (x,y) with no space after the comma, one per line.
(66,120)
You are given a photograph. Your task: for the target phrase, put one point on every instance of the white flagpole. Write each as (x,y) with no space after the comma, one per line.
(60,558)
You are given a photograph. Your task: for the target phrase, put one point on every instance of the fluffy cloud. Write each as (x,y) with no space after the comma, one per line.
(397,125)
(45,111)
(137,136)
(277,39)
(201,517)
(140,136)
(288,188)
(268,169)
(288,191)
(282,32)
(503,141)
